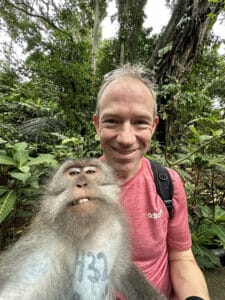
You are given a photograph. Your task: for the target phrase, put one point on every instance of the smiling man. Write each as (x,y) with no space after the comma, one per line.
(125,120)
(125,123)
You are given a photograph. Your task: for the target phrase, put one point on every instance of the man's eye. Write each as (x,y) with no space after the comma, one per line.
(110,121)
(142,122)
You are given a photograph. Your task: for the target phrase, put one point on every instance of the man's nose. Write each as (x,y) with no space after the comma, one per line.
(126,134)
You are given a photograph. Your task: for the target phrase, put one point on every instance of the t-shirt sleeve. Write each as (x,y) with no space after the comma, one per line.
(179,236)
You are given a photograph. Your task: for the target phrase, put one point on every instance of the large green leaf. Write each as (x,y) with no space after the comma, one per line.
(20,176)
(7,204)
(43,158)
(3,190)
(2,141)
(206,211)
(204,138)
(220,232)
(20,147)
(194,131)
(204,233)
(205,257)
(197,249)
(219,213)
(21,157)
(24,169)
(211,257)
(7,160)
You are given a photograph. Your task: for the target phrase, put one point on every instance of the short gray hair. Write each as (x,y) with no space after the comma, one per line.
(135,71)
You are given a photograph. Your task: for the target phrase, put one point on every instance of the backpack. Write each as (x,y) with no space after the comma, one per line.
(164,185)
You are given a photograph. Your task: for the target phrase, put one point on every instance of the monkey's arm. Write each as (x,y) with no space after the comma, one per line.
(133,285)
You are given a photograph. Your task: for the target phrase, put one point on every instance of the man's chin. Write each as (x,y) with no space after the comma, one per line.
(125,168)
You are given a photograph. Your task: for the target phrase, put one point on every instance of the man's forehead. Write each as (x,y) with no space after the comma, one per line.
(126,90)
(112,110)
(125,81)
(126,86)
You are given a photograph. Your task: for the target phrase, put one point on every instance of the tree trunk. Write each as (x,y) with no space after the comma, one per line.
(183,38)
(131,17)
(95,36)
(180,44)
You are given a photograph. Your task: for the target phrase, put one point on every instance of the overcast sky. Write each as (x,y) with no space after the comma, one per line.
(157,16)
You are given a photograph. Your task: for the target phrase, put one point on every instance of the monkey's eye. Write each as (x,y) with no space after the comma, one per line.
(74,171)
(90,169)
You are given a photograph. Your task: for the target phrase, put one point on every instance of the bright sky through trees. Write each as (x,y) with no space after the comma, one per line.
(154,19)
(157,16)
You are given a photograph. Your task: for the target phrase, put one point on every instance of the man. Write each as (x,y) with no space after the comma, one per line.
(125,121)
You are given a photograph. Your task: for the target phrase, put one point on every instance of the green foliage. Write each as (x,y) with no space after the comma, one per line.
(57,69)
(208,231)
(76,146)
(131,19)
(7,203)
(202,167)
(108,62)
(19,175)
(47,101)
(67,71)
(200,161)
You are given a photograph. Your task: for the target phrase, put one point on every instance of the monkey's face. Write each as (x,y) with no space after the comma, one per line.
(85,182)
(81,195)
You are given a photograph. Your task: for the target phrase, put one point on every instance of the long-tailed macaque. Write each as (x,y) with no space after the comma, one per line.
(78,246)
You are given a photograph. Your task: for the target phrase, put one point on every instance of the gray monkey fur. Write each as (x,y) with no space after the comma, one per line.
(75,251)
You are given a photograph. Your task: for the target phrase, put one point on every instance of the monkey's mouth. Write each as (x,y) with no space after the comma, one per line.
(80,201)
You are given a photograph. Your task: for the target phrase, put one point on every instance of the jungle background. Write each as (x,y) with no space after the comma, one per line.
(48,94)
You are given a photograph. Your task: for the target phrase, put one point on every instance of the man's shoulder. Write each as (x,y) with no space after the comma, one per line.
(172,172)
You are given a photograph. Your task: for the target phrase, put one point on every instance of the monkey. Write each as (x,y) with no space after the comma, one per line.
(77,246)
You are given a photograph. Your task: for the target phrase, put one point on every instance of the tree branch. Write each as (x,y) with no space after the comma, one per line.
(196,150)
(46,19)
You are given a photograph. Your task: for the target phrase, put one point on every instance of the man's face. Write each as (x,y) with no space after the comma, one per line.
(125,124)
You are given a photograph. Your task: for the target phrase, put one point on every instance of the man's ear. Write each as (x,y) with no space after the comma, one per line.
(155,123)
(96,122)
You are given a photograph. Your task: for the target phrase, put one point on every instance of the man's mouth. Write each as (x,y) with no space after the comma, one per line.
(124,152)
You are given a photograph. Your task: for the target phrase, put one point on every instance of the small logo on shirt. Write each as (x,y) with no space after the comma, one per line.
(155,215)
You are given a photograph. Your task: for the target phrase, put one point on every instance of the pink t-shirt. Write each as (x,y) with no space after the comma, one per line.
(150,227)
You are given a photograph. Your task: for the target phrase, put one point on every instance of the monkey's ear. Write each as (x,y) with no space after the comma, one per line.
(96,122)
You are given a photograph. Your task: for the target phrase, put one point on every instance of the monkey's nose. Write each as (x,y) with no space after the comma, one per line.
(81,184)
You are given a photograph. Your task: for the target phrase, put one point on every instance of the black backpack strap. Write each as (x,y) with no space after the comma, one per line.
(164,185)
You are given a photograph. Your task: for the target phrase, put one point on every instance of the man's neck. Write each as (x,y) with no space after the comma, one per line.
(124,177)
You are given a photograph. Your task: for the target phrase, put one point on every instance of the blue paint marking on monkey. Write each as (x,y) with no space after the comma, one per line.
(91,275)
